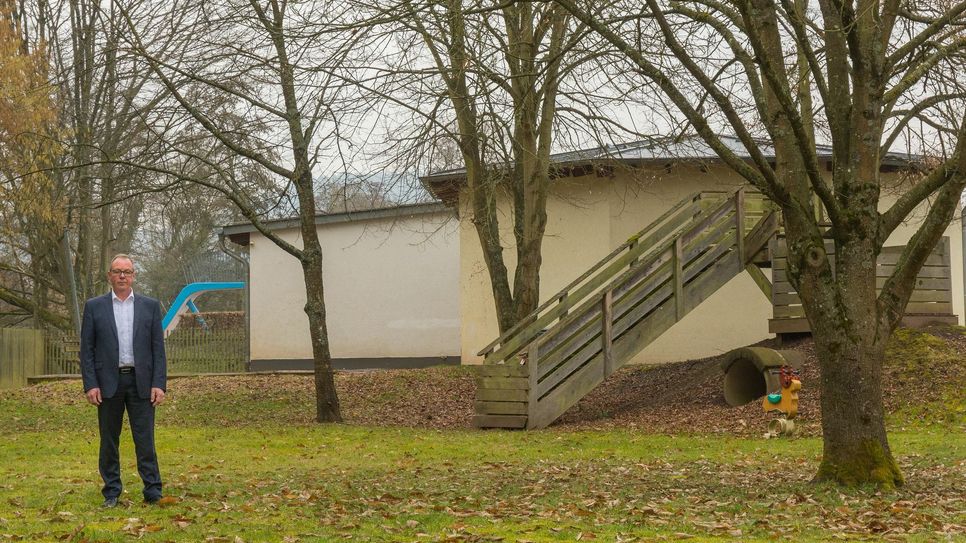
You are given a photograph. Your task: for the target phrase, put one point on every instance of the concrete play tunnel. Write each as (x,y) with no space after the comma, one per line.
(753,372)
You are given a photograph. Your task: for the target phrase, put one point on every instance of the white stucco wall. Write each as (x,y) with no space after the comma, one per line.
(590,216)
(391,290)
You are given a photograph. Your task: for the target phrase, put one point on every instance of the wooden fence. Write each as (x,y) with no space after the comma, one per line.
(21,356)
(931,301)
(188,351)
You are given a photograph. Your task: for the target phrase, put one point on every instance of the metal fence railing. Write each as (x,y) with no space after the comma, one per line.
(188,351)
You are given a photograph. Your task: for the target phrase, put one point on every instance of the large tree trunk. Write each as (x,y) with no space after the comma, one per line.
(850,341)
(326,397)
(856,449)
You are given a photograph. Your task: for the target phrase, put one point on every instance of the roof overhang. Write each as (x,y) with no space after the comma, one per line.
(240,233)
(446,185)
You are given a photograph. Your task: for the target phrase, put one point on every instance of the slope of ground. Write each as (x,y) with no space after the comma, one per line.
(925,383)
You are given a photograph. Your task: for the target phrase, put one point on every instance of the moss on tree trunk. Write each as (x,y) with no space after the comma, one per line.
(868,463)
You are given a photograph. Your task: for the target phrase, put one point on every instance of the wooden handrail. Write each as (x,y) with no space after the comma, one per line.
(565,291)
(524,332)
(601,306)
(594,308)
(615,262)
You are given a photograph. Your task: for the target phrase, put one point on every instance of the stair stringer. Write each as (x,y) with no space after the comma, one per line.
(529,382)
(545,410)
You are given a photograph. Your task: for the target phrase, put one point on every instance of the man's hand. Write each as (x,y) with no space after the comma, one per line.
(94,396)
(157,396)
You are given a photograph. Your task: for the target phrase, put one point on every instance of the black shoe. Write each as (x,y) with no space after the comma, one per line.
(151,500)
(109,503)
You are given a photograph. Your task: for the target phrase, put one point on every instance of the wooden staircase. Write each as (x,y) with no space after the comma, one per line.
(536,371)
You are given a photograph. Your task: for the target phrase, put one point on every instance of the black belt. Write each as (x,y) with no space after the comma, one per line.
(126,369)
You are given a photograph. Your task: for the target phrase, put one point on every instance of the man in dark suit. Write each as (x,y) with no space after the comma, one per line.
(124,368)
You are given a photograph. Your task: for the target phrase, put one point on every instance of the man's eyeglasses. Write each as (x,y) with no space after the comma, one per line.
(123,272)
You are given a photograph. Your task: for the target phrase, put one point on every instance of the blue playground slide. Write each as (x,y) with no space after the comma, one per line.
(185,301)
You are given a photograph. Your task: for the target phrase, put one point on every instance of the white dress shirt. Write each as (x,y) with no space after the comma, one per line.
(124,319)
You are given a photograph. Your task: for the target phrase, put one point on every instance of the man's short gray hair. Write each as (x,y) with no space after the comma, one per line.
(121,255)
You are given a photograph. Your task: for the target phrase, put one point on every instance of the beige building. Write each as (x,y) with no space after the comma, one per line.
(596,208)
(391,289)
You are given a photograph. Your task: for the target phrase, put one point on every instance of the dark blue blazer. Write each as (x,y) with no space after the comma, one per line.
(99,352)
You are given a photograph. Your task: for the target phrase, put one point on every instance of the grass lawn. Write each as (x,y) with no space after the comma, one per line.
(233,477)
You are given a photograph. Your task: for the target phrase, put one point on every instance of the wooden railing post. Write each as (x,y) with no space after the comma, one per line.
(678,278)
(533,375)
(740,218)
(607,331)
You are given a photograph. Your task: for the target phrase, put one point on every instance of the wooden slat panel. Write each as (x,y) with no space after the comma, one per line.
(515,383)
(926,271)
(781,286)
(575,322)
(591,374)
(659,270)
(712,279)
(922,283)
(717,252)
(788,326)
(708,238)
(787,311)
(760,235)
(500,421)
(786,298)
(922,307)
(557,368)
(566,349)
(918,321)
(713,269)
(626,320)
(21,356)
(563,398)
(931,296)
(607,332)
(589,334)
(740,221)
(678,279)
(503,370)
(630,340)
(892,258)
(500,408)
(502,395)
(562,372)
(722,213)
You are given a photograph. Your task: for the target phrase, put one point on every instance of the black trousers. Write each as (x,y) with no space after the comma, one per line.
(110,416)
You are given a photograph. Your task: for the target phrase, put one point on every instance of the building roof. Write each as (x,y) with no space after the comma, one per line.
(445,185)
(240,232)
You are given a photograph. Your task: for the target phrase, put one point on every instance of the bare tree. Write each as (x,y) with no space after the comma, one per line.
(507,82)
(29,197)
(99,100)
(863,76)
(261,81)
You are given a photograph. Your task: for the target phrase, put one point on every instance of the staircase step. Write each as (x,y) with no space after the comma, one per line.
(545,367)
(501,408)
(500,421)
